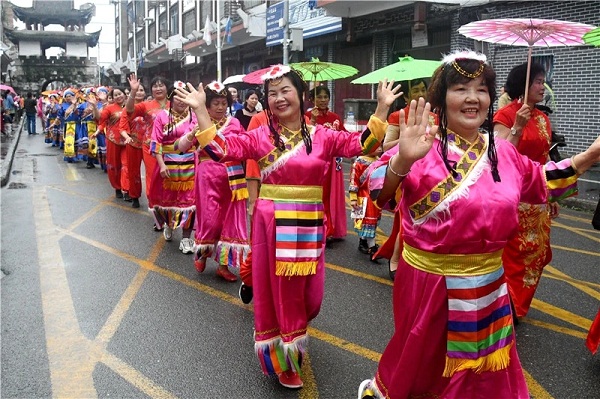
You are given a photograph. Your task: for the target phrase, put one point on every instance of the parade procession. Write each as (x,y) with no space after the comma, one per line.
(301,199)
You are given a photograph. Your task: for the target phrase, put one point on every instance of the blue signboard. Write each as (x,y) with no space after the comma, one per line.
(304,14)
(274,31)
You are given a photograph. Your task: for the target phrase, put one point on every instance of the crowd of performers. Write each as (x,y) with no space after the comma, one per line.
(459,195)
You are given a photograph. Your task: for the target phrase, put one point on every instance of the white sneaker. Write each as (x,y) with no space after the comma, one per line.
(186,245)
(168,233)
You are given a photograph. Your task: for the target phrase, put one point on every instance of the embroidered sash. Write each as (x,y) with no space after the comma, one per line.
(276,158)
(298,227)
(69,139)
(237,181)
(181,169)
(470,158)
(92,143)
(480,331)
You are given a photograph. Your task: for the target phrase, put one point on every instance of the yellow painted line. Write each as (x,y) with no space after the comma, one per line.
(309,389)
(356,273)
(575,218)
(579,251)
(535,390)
(71,174)
(68,350)
(575,231)
(137,379)
(555,328)
(584,286)
(85,216)
(345,345)
(561,314)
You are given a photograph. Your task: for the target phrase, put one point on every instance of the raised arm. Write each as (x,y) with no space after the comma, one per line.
(134,85)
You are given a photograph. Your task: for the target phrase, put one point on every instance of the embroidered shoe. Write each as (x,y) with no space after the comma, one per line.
(186,245)
(226,275)
(245,293)
(364,392)
(290,379)
(200,264)
(167,233)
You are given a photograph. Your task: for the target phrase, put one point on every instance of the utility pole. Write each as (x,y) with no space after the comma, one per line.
(286,31)
(218,42)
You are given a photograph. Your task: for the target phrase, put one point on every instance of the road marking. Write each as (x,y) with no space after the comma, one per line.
(71,174)
(580,251)
(562,314)
(535,390)
(68,350)
(309,389)
(584,286)
(577,231)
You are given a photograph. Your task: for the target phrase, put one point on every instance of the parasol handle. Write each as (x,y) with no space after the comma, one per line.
(527,75)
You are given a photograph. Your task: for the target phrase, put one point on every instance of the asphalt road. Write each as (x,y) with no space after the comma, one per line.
(96,304)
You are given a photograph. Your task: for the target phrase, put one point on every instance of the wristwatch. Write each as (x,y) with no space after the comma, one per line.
(513,131)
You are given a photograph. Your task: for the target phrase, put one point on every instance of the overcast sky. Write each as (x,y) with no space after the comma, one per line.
(104,19)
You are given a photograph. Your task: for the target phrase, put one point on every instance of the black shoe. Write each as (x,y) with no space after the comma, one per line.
(363,246)
(118,194)
(135,203)
(245,293)
(329,242)
(90,166)
(392,272)
(127,198)
(156,228)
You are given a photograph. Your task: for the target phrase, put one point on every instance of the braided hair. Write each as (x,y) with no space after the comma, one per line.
(447,75)
(170,98)
(301,88)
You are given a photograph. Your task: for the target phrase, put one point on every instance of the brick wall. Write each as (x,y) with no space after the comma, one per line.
(576,79)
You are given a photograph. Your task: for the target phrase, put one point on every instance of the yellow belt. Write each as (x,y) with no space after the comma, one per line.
(291,193)
(452,264)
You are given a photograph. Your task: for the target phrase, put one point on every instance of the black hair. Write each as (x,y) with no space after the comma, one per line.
(515,82)
(160,79)
(444,77)
(170,96)
(318,90)
(301,88)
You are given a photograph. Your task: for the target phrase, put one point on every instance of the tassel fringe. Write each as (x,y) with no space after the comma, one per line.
(295,268)
(495,361)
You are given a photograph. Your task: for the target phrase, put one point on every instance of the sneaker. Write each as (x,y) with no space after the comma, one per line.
(290,379)
(245,293)
(364,392)
(135,203)
(168,233)
(186,245)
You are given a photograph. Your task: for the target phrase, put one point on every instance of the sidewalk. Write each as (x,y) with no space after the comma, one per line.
(589,183)
(8,146)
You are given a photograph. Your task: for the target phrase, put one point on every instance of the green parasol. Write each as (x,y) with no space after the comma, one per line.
(407,68)
(592,37)
(319,71)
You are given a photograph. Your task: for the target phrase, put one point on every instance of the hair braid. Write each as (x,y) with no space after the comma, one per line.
(492,145)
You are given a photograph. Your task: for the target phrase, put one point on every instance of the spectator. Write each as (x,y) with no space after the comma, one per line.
(31,113)
(236,104)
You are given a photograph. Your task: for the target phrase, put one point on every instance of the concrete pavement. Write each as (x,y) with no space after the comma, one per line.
(589,183)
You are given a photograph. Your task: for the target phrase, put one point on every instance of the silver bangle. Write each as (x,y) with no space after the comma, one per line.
(394,172)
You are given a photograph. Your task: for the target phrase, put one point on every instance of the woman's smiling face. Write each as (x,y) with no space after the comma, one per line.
(283,100)
(467,106)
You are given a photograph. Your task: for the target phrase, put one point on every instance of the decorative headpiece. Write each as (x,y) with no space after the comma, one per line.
(89,90)
(451,59)
(275,73)
(217,88)
(68,92)
(178,84)
(53,95)
(102,89)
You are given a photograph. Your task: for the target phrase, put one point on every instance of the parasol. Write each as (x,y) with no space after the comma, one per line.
(320,71)
(255,77)
(233,79)
(407,68)
(7,87)
(528,32)
(592,37)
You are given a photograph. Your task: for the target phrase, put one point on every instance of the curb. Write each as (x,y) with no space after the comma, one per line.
(10,155)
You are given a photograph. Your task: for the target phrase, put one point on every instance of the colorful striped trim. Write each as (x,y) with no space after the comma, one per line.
(237,181)
(281,192)
(181,169)
(373,135)
(561,180)
(232,254)
(480,331)
(298,237)
(175,217)
(276,356)
(276,158)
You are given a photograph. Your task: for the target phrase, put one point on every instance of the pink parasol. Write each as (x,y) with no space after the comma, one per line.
(527,32)
(255,77)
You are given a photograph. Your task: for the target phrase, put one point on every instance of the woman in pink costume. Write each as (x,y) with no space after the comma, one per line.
(172,190)
(334,190)
(147,110)
(287,225)
(529,130)
(453,335)
(221,195)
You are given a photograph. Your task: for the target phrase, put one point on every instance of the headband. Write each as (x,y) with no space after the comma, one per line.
(68,92)
(102,89)
(452,59)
